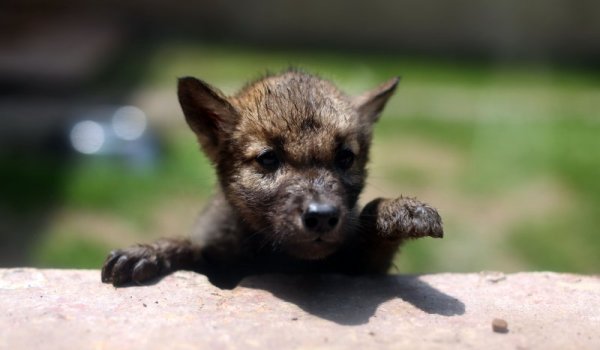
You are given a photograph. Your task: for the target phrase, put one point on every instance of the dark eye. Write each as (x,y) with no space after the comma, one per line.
(268,160)
(344,159)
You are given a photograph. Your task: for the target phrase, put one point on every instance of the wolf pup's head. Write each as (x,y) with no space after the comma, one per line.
(290,152)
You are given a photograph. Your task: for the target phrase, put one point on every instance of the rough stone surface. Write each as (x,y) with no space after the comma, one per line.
(71,309)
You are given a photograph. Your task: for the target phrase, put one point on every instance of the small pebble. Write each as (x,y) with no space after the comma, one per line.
(493,276)
(499,325)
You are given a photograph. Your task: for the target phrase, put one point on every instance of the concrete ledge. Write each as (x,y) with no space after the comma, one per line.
(71,309)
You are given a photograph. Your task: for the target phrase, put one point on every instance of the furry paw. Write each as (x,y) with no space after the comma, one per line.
(402,218)
(134,264)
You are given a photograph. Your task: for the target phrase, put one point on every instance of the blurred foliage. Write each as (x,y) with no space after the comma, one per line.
(511,125)
(567,150)
(69,250)
(106,186)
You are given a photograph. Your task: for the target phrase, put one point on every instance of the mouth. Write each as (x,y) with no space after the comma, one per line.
(319,241)
(303,243)
(314,249)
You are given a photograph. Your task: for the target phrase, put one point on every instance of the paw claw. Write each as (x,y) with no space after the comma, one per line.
(144,270)
(437,232)
(107,268)
(137,264)
(121,273)
(427,222)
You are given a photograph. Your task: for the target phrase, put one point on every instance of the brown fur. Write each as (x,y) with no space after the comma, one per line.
(285,147)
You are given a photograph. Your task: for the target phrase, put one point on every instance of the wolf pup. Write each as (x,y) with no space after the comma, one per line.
(290,152)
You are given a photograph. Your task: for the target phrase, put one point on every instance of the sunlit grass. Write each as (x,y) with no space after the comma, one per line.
(505,155)
(110,186)
(69,250)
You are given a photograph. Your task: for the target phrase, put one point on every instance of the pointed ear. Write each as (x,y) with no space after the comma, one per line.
(370,104)
(207,112)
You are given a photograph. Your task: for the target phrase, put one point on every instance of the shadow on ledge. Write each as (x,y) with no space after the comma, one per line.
(353,301)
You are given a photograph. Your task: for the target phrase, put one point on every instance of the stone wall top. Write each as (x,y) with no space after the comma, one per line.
(71,309)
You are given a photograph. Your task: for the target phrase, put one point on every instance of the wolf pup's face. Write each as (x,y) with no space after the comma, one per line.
(290,152)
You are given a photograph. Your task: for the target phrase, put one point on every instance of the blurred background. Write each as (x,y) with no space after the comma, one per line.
(496,121)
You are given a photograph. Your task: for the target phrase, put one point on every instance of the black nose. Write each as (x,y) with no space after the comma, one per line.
(320,217)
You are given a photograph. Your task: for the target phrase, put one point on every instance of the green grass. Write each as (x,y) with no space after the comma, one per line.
(106,186)
(511,124)
(563,244)
(503,155)
(69,251)
(502,152)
